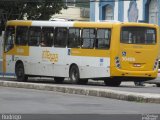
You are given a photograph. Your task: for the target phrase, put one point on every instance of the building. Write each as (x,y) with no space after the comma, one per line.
(121,10)
(76,10)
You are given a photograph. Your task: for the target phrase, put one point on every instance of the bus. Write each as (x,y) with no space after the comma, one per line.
(108,51)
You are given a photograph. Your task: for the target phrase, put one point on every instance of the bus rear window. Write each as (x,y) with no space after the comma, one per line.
(138,35)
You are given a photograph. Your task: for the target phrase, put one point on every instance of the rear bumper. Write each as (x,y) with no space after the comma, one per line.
(126,73)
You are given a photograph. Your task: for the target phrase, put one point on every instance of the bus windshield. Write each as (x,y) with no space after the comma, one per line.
(138,35)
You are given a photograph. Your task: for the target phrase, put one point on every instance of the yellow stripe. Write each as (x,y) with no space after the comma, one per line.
(19,50)
(19,23)
(93,24)
(90,52)
(139,24)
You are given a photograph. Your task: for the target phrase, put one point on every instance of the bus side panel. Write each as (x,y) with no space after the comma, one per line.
(61,62)
(92,63)
(98,68)
(36,65)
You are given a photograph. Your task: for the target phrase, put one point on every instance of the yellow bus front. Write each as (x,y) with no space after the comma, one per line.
(135,53)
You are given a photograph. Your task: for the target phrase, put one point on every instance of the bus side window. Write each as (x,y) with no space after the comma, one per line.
(88,37)
(60,37)
(74,38)
(21,35)
(34,36)
(47,36)
(103,38)
(9,38)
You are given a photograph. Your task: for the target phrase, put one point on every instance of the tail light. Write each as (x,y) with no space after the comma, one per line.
(156,64)
(117,62)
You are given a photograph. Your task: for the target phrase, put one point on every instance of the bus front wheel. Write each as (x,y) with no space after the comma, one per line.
(75,76)
(112,82)
(20,73)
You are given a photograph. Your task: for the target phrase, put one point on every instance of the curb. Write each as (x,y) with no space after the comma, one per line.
(107,93)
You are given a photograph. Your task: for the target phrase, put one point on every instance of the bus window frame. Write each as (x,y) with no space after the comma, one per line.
(55,37)
(27,41)
(79,37)
(95,31)
(29,37)
(110,36)
(139,27)
(53,31)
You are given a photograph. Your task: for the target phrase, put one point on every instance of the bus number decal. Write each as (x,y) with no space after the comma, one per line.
(49,56)
(130,59)
(20,50)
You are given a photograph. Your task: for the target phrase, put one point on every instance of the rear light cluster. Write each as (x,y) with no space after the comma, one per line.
(156,64)
(117,62)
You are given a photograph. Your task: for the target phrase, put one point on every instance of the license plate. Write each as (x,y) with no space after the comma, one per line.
(137,65)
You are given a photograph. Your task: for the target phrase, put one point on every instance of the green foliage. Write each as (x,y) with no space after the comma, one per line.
(43,10)
(29,9)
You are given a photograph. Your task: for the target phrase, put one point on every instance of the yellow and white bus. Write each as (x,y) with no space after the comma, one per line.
(112,52)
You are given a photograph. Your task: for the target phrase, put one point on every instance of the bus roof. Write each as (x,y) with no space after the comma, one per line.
(73,24)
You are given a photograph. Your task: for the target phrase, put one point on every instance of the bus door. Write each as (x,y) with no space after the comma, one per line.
(8,55)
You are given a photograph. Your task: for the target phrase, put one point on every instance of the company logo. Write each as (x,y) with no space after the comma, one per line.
(47,55)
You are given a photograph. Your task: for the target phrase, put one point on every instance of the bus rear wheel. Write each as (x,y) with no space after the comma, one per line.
(59,80)
(75,76)
(158,85)
(20,73)
(112,82)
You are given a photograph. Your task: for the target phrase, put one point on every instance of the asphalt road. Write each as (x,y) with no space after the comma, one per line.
(26,101)
(27,104)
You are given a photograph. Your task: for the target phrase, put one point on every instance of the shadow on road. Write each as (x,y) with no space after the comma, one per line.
(67,82)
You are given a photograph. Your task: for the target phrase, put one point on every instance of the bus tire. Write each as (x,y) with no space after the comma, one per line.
(74,76)
(158,85)
(112,82)
(20,73)
(59,80)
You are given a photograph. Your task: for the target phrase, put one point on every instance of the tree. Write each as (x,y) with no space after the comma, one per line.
(43,10)
(29,9)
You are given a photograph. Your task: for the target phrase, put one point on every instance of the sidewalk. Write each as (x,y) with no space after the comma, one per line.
(101,91)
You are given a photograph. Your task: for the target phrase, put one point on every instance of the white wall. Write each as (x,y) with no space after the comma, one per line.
(116,10)
(97,11)
(70,13)
(140,9)
(126,7)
